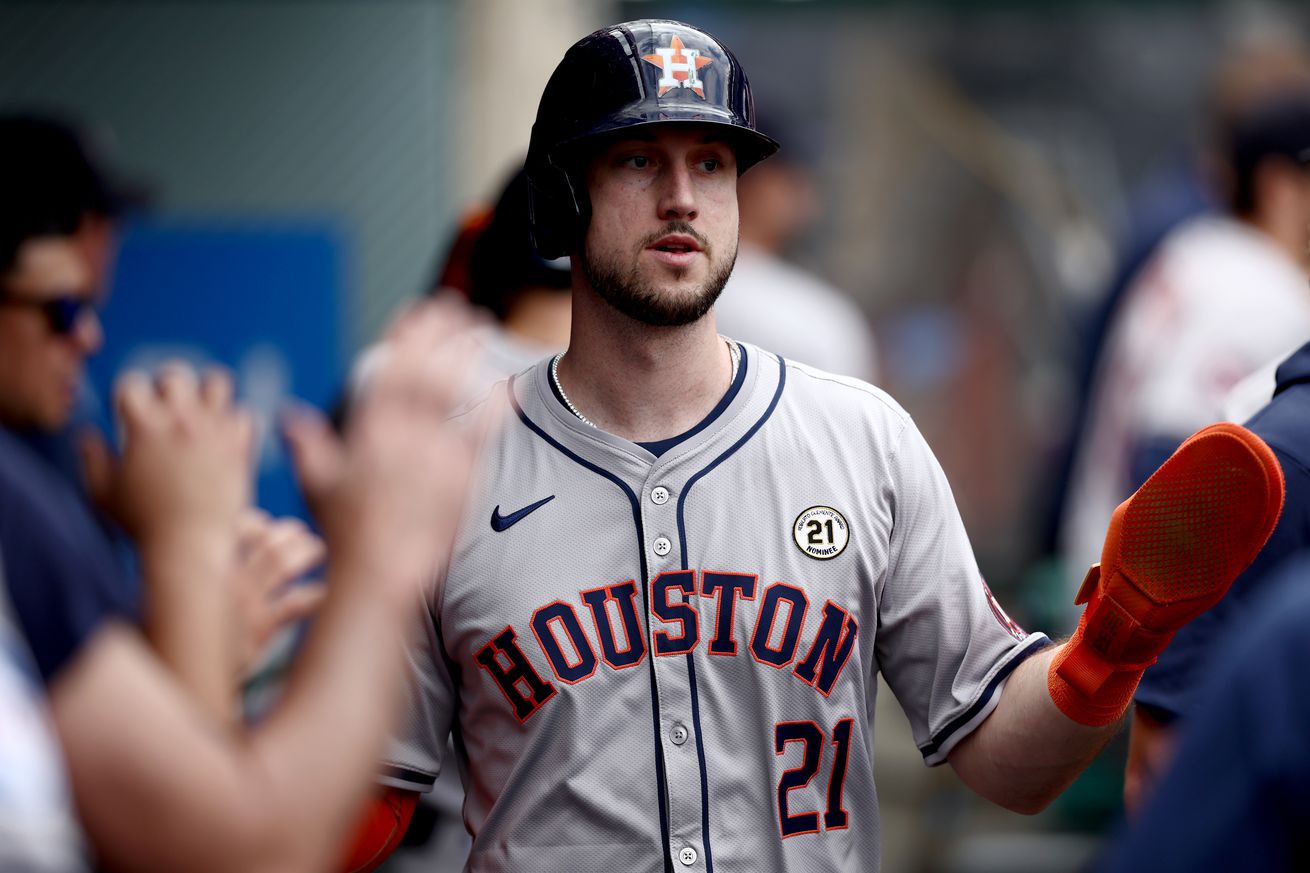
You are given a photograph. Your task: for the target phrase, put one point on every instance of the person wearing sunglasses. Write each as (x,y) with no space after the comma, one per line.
(62,313)
(56,247)
(48,329)
(159,779)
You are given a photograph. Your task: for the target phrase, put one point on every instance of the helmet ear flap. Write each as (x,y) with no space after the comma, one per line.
(558,208)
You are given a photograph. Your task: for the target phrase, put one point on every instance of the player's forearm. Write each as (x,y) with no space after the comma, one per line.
(347,677)
(159,789)
(187,613)
(1027,751)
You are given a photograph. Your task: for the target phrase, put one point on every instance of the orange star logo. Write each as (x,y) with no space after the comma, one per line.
(680,67)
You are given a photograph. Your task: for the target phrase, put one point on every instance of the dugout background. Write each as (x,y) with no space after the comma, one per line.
(980,164)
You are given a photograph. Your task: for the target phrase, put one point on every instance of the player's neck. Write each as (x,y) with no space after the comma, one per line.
(639,382)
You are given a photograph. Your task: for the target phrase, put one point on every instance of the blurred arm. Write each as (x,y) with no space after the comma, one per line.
(1150,749)
(281,798)
(161,783)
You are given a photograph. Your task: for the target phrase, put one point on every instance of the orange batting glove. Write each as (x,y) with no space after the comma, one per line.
(1171,552)
(380,830)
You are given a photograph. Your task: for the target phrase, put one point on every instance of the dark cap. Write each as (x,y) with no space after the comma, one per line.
(50,180)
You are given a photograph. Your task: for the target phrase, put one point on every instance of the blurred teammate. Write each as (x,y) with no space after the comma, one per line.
(493,265)
(1222,295)
(1237,794)
(1253,69)
(527,294)
(55,187)
(160,784)
(777,305)
(57,246)
(161,777)
(1170,693)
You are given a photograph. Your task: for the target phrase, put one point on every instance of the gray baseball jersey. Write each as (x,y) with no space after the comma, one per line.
(669,662)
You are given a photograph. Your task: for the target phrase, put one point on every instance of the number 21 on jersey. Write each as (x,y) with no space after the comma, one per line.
(812,741)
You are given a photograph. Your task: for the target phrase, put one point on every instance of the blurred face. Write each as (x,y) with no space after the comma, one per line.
(663,233)
(46,333)
(778,204)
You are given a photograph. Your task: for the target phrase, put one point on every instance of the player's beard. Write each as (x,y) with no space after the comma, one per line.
(625,288)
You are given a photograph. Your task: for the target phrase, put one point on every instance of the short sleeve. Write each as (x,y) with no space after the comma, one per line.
(945,645)
(415,755)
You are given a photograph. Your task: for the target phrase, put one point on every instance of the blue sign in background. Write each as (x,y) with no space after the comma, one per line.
(262,299)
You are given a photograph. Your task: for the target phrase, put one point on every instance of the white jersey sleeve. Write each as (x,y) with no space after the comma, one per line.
(414,759)
(945,646)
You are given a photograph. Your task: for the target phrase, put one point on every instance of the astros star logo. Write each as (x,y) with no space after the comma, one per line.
(680,67)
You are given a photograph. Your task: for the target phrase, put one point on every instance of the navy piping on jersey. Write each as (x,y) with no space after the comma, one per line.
(691,664)
(1037,643)
(659,447)
(665,836)
(404,774)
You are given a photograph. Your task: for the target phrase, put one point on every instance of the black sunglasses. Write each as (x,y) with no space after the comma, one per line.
(62,313)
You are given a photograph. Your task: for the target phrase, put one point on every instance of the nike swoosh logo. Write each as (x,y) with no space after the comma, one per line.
(505,522)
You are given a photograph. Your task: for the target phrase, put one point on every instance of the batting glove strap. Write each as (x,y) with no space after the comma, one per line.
(1125,628)
(1093,678)
(1075,670)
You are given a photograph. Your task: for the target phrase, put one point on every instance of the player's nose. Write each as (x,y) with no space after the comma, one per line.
(677,193)
(88,333)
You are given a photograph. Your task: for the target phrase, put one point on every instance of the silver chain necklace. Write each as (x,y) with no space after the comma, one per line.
(733,352)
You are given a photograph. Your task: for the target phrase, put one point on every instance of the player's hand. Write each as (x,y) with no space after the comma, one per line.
(388,494)
(273,556)
(1150,752)
(185,467)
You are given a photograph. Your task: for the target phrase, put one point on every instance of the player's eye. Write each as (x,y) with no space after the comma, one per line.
(637,162)
(709,165)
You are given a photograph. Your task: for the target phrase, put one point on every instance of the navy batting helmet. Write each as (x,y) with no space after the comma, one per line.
(629,75)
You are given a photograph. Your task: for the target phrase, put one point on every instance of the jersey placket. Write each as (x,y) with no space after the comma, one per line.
(677,724)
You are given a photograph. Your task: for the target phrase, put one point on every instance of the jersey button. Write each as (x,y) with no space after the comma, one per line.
(662,546)
(659,495)
(687,856)
(678,735)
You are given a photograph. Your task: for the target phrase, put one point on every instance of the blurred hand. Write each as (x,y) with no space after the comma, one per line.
(1150,752)
(185,467)
(388,495)
(272,555)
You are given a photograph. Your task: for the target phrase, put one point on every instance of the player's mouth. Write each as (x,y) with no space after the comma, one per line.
(675,249)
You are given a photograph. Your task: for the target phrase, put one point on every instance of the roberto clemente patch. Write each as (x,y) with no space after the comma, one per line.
(821,532)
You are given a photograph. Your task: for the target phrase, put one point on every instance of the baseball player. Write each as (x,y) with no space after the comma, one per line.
(656,639)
